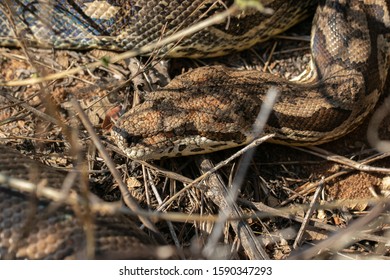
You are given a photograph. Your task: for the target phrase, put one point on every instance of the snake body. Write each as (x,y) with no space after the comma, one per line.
(214,108)
(209,108)
(36,229)
(125,25)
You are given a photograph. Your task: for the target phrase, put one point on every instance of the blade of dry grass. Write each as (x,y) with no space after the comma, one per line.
(216,191)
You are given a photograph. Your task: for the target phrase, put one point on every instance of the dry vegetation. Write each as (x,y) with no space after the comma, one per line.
(326,202)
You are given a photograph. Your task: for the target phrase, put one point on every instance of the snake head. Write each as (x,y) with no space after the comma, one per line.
(146,134)
(185,118)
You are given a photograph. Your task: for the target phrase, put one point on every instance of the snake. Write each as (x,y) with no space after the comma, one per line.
(203,110)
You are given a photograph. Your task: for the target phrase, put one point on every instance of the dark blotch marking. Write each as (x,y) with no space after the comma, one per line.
(324,120)
(216,146)
(235,137)
(195,150)
(190,129)
(182,147)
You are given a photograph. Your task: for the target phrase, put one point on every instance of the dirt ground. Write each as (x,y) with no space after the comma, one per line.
(280,184)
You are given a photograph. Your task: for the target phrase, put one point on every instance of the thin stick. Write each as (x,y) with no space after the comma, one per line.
(231,196)
(343,237)
(218,18)
(130,202)
(198,180)
(306,220)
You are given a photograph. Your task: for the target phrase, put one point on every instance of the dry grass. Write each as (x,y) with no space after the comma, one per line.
(327,203)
